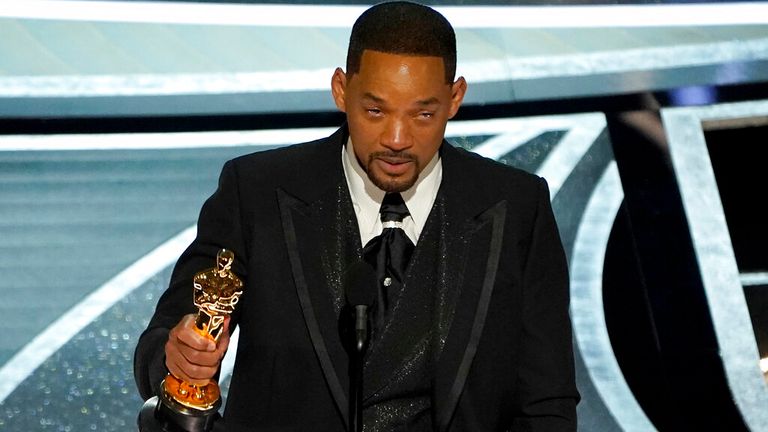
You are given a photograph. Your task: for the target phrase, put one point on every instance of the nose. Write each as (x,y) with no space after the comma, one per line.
(396,135)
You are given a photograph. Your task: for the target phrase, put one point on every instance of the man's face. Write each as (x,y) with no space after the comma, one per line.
(397,107)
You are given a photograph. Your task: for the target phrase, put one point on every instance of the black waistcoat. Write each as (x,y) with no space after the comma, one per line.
(399,365)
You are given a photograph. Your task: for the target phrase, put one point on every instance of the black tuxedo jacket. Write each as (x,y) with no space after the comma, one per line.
(507,359)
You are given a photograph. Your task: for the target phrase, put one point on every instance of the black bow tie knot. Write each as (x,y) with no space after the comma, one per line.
(393,208)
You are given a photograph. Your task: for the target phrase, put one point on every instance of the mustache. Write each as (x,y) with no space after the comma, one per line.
(392,154)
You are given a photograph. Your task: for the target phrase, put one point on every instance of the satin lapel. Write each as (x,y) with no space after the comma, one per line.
(318,251)
(484,236)
(476,249)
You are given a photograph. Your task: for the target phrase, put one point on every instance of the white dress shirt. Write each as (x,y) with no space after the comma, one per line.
(367,198)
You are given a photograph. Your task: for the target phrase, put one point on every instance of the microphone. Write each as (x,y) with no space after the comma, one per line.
(360,290)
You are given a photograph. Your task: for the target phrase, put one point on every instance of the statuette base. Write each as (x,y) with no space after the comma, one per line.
(157,416)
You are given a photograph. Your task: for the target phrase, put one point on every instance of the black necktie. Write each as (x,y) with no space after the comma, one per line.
(389,252)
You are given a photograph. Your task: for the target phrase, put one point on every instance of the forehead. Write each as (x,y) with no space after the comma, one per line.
(400,71)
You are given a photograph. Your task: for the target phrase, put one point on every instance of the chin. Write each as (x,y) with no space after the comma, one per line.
(390,185)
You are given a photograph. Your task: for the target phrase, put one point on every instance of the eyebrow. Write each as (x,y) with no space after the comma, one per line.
(424,102)
(373,97)
(430,101)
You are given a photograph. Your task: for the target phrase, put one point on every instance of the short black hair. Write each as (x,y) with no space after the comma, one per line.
(402,27)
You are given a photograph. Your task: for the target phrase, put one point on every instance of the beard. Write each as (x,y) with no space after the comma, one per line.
(391,184)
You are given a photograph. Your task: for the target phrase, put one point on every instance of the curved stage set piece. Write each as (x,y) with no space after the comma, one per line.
(649,123)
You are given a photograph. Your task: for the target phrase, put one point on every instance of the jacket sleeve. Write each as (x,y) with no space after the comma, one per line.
(219,226)
(546,389)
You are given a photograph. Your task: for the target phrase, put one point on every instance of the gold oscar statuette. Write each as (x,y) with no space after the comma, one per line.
(184,406)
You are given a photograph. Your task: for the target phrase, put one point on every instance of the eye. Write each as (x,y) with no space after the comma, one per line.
(426,114)
(373,111)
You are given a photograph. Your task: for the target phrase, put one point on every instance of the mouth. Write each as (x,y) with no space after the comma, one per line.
(394,165)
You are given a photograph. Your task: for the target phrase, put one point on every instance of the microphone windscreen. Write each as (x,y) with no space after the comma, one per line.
(360,287)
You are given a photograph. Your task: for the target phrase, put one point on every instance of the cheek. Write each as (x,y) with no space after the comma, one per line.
(361,142)
(429,143)
(364,136)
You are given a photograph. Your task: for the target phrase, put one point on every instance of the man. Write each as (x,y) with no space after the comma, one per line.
(474,334)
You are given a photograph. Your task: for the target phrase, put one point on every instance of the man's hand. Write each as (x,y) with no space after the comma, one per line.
(191,356)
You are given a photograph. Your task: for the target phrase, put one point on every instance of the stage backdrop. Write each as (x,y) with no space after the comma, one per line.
(649,123)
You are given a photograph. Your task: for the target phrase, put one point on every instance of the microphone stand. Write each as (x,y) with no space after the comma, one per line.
(360,289)
(356,369)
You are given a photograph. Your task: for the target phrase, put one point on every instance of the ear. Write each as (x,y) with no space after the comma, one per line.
(458,90)
(338,89)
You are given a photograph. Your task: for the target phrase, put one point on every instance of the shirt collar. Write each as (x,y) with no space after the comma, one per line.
(367,198)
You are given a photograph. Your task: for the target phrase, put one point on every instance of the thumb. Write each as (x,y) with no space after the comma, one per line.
(223,342)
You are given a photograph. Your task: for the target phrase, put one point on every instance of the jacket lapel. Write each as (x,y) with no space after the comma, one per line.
(475,247)
(322,237)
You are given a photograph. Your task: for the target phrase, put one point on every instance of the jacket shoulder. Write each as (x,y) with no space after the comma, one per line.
(483,171)
(305,170)
(286,156)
